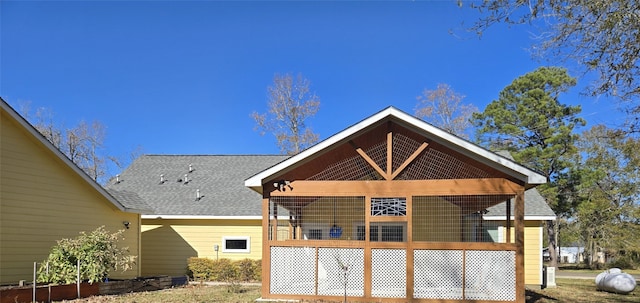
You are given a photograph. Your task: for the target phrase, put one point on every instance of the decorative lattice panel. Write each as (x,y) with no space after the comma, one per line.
(490,275)
(293,270)
(331,274)
(437,274)
(388,273)
(389,207)
(354,168)
(435,164)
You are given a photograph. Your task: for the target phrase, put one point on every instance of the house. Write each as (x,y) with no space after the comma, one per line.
(44,197)
(385,211)
(536,213)
(199,208)
(571,255)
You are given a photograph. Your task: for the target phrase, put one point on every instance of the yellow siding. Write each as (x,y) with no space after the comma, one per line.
(347,213)
(435,219)
(532,252)
(167,244)
(43,200)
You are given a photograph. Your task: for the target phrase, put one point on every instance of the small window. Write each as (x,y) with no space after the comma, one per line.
(383,232)
(392,233)
(360,233)
(315,234)
(236,244)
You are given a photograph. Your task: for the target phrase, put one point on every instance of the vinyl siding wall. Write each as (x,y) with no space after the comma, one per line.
(532,252)
(167,244)
(43,200)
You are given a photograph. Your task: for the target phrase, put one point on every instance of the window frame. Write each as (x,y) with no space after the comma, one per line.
(247,239)
(378,226)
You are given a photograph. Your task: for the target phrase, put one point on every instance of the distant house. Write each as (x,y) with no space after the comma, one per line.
(572,255)
(45,197)
(199,208)
(395,204)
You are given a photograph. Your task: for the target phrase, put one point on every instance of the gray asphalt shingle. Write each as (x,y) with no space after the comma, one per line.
(219,179)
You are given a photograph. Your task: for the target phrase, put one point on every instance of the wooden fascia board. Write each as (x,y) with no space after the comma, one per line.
(488,186)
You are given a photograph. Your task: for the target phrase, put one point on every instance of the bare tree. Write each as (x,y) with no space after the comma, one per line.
(601,36)
(443,108)
(290,104)
(82,144)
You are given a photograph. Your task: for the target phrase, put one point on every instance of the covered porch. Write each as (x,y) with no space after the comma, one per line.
(389,210)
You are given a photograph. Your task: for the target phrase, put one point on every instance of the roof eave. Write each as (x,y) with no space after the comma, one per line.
(526,218)
(26,125)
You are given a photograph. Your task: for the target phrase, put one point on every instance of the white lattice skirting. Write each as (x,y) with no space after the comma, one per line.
(438,274)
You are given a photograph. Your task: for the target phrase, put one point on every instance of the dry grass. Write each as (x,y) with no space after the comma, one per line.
(579,290)
(191,293)
(568,291)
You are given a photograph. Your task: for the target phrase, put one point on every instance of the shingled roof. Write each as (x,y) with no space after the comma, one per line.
(219,181)
(535,207)
(170,184)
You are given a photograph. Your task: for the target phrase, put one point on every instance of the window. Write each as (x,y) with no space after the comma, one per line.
(382,232)
(392,233)
(315,234)
(315,231)
(236,244)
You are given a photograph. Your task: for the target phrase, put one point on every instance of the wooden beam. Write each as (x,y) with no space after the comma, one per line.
(463,187)
(519,235)
(410,261)
(389,149)
(367,247)
(508,221)
(266,250)
(409,160)
(369,160)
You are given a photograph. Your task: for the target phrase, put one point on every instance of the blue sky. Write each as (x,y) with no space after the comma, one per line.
(183,77)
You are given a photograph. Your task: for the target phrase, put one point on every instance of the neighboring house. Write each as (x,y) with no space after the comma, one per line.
(200,208)
(45,197)
(572,255)
(390,203)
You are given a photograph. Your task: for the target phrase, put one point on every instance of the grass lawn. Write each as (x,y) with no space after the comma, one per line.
(568,290)
(579,290)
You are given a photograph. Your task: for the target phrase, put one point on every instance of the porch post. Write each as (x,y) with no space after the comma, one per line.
(266,251)
(519,235)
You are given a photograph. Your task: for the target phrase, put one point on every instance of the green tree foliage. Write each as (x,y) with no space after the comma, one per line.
(601,36)
(529,121)
(610,189)
(291,103)
(98,254)
(443,108)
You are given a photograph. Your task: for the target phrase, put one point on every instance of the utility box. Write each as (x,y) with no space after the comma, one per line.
(548,277)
